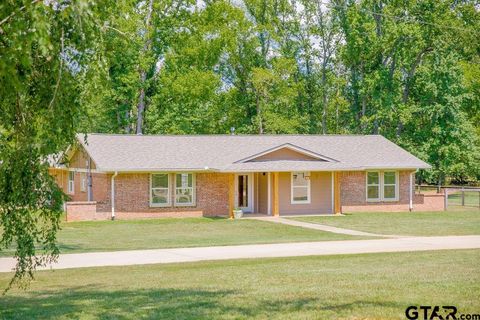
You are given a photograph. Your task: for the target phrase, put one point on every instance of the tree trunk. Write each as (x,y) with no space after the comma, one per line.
(141,103)
(324,98)
(408,80)
(259,115)
(143,73)
(127,121)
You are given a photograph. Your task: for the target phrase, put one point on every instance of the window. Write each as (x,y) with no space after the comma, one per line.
(184,189)
(390,185)
(71,182)
(160,190)
(300,187)
(373,186)
(83,182)
(382,186)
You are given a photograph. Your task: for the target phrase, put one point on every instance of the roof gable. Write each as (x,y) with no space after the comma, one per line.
(286,151)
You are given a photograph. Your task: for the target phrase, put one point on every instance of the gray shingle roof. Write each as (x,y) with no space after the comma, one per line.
(222,152)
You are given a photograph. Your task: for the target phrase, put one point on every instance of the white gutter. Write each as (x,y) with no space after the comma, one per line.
(113,195)
(410,205)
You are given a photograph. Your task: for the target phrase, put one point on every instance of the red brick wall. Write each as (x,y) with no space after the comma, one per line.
(83,211)
(353,187)
(99,187)
(353,195)
(132,197)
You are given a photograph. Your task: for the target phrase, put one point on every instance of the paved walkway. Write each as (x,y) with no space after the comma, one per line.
(321,227)
(138,257)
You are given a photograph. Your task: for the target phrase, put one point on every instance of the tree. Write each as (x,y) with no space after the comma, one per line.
(44,50)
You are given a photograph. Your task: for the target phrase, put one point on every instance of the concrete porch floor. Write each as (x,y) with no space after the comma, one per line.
(263,215)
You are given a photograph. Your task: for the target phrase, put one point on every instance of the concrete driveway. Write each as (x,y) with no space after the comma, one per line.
(138,257)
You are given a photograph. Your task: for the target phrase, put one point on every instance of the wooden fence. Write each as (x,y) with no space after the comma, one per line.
(455,196)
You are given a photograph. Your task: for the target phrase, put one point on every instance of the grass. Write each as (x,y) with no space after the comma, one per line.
(472,199)
(369,286)
(407,223)
(170,233)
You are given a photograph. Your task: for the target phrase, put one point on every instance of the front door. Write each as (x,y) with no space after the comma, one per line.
(244,194)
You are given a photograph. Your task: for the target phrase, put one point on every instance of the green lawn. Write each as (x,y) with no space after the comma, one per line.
(407,223)
(472,199)
(176,232)
(373,286)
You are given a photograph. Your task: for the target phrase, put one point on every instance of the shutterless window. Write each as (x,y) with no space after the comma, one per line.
(160,190)
(373,185)
(389,185)
(83,182)
(184,189)
(71,182)
(300,187)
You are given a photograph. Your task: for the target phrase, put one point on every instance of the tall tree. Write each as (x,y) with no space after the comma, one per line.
(44,56)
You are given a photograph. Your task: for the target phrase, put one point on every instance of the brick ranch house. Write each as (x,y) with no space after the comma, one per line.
(142,176)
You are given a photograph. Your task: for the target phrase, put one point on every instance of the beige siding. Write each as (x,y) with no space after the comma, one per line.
(262,193)
(284,154)
(79,159)
(321,194)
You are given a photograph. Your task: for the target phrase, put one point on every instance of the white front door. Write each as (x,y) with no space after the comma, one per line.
(244,192)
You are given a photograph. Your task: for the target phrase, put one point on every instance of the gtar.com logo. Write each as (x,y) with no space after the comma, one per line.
(437,313)
(431,312)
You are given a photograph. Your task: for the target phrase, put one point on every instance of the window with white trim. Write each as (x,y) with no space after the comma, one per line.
(71,182)
(300,187)
(184,189)
(160,190)
(83,182)
(382,186)
(390,185)
(373,186)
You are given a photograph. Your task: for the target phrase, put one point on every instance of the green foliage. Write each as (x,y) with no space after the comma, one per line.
(44,50)
(408,70)
(297,66)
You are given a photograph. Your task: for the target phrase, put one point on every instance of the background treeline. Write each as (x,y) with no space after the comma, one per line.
(406,69)
(409,70)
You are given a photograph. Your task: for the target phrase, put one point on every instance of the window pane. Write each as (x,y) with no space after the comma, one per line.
(300,194)
(389,192)
(299,179)
(184,196)
(242,191)
(184,180)
(389,177)
(159,195)
(159,180)
(372,178)
(372,192)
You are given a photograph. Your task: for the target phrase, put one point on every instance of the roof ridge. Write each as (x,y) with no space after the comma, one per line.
(230,135)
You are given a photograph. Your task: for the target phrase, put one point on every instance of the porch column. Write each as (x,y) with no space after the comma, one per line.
(337,206)
(269,194)
(231,195)
(276,211)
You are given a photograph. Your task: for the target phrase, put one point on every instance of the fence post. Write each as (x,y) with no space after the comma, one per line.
(463,197)
(445,191)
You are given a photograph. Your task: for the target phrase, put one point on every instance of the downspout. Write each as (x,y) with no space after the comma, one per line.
(113,195)
(89,180)
(410,205)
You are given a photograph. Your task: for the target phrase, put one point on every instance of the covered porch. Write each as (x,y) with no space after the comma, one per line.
(285,193)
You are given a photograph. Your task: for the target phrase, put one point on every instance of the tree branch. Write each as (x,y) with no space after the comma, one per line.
(14,13)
